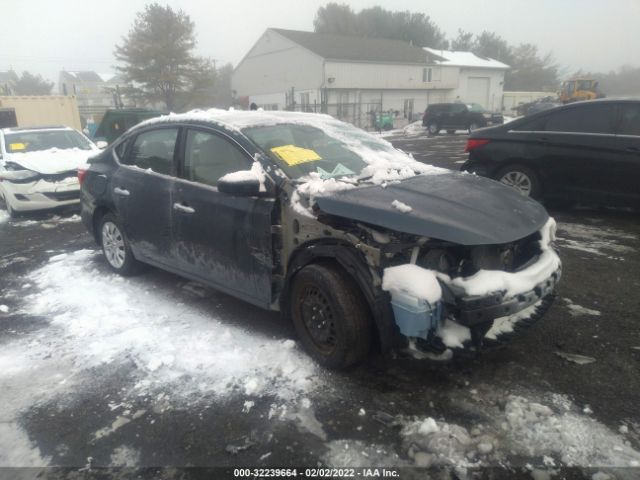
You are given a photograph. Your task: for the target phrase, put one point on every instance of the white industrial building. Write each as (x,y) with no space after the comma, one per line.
(353,77)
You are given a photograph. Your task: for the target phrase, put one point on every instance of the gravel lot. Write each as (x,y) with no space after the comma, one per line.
(101,371)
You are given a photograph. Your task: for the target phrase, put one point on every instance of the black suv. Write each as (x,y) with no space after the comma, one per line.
(354,241)
(458,116)
(585,152)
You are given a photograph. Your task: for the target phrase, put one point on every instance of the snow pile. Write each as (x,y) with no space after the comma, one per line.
(453,334)
(414,129)
(312,186)
(523,428)
(53,160)
(103,318)
(576,310)
(413,280)
(487,281)
(502,325)
(403,207)
(534,429)
(4,216)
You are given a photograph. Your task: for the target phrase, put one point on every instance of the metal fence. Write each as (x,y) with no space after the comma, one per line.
(362,115)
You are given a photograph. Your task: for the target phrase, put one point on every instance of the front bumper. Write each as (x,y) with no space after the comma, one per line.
(474,310)
(40,194)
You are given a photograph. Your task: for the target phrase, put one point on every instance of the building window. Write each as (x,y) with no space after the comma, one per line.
(431,74)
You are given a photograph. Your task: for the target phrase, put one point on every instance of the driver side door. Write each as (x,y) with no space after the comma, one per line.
(220,239)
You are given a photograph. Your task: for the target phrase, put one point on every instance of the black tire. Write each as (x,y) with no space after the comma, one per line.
(433,128)
(344,334)
(451,132)
(474,126)
(112,235)
(516,172)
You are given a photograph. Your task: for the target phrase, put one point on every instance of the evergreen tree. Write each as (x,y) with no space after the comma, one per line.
(157,57)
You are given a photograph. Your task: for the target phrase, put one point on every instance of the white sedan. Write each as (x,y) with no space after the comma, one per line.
(38,167)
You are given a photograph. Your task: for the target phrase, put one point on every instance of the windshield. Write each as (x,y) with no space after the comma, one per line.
(32,141)
(302,149)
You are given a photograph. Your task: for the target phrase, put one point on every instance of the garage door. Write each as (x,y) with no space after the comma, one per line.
(478,91)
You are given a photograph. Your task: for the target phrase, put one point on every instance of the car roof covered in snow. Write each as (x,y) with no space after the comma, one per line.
(240,119)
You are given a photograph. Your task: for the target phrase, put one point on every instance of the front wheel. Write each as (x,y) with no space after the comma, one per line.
(524,180)
(5,204)
(115,246)
(330,316)
(433,128)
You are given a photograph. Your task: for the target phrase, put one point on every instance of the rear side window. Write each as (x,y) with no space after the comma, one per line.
(630,119)
(583,119)
(154,150)
(209,156)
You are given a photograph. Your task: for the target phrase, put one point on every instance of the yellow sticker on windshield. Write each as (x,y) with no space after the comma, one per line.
(292,155)
(17,146)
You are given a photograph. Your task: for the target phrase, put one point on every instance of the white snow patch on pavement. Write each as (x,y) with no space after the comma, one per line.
(453,334)
(576,310)
(105,318)
(547,430)
(98,319)
(607,242)
(4,216)
(125,456)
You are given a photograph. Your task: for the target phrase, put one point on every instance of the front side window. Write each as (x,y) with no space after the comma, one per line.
(153,150)
(630,120)
(209,156)
(583,119)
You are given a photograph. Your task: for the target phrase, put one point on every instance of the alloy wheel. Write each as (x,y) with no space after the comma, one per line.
(113,245)
(519,181)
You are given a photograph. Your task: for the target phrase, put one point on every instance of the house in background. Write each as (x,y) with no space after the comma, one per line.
(355,78)
(94,92)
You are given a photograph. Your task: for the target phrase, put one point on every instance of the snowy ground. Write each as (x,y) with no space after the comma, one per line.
(155,370)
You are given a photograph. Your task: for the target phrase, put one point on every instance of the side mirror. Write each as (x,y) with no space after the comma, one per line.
(101,144)
(240,184)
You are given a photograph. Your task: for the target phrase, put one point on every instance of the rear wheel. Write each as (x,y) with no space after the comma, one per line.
(474,126)
(433,128)
(524,180)
(330,316)
(115,246)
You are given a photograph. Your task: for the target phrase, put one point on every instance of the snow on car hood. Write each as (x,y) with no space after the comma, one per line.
(455,207)
(53,160)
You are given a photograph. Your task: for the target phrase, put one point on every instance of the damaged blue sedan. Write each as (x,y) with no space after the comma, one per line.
(360,246)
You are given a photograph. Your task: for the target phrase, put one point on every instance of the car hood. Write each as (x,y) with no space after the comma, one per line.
(456,207)
(53,160)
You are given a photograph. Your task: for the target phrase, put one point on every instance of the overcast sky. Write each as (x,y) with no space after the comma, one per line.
(45,36)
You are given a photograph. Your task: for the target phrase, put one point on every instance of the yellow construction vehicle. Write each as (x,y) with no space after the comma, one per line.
(578,89)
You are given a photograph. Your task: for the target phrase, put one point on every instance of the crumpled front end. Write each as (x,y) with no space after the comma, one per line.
(41,192)
(449,297)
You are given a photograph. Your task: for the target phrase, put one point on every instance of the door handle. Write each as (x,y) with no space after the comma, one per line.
(120,191)
(183,208)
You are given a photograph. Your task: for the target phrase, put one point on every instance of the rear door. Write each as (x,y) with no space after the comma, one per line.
(141,189)
(624,175)
(577,147)
(459,118)
(221,239)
